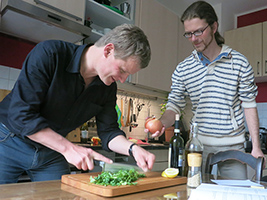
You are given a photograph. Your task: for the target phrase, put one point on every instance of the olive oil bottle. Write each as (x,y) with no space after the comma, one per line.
(193,145)
(176,148)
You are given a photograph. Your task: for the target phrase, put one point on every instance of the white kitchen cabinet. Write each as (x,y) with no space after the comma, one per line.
(73,10)
(264,50)
(102,17)
(161,162)
(251,42)
(161,27)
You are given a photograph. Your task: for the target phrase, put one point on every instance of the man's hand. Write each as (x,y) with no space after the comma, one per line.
(83,158)
(144,159)
(80,157)
(256,152)
(157,133)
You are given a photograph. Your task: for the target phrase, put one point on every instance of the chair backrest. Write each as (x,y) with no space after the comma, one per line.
(245,158)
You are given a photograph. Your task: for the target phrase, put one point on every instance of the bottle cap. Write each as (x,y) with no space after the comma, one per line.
(194,159)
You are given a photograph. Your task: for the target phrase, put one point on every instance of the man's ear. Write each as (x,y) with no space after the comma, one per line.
(108,49)
(215,26)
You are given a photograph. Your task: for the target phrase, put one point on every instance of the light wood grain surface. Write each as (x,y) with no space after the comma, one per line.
(57,190)
(3,93)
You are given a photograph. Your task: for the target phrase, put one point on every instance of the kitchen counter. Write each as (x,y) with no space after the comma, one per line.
(57,190)
(147,147)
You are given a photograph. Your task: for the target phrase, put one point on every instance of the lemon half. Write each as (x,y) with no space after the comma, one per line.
(170,172)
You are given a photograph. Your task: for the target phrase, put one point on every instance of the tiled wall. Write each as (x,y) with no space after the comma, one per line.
(8,77)
(151,106)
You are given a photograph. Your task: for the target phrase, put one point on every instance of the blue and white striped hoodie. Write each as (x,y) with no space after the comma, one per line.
(217,92)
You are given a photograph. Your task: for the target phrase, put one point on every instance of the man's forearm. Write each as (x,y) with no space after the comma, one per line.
(168,118)
(252,120)
(120,145)
(51,139)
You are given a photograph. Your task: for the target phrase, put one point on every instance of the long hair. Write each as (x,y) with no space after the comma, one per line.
(203,10)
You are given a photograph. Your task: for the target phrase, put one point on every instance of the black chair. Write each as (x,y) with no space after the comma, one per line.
(245,158)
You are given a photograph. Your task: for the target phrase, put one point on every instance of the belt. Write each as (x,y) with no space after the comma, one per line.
(3,128)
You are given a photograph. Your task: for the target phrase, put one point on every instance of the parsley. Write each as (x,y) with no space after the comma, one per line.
(122,177)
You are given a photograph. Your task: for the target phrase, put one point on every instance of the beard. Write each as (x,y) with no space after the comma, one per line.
(204,45)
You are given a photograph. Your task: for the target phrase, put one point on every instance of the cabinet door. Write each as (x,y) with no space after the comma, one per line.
(73,10)
(161,27)
(264,51)
(248,41)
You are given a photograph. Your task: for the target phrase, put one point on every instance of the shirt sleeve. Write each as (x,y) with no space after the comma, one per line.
(176,98)
(29,91)
(107,125)
(247,87)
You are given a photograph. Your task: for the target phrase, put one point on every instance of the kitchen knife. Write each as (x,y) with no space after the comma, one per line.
(115,167)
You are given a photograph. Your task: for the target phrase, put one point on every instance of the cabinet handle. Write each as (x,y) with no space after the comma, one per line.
(265,66)
(258,68)
(55,18)
(58,10)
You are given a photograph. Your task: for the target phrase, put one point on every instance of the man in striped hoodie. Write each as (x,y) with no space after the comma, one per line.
(220,84)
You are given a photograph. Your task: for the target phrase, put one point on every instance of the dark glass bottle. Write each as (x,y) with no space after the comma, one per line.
(84,133)
(176,148)
(193,145)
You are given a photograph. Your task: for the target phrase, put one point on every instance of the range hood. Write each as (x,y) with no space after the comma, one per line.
(24,20)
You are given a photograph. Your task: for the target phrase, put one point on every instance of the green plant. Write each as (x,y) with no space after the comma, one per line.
(163,108)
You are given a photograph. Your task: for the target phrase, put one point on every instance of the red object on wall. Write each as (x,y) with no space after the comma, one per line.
(13,51)
(252,18)
(262,92)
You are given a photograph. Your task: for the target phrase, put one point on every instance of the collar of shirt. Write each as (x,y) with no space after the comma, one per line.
(74,66)
(205,61)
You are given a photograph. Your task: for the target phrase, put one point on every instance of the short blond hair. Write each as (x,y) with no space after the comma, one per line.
(128,40)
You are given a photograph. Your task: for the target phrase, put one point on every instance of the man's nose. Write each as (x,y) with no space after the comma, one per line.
(193,38)
(123,78)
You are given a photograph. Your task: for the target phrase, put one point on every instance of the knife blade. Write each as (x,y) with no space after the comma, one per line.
(115,167)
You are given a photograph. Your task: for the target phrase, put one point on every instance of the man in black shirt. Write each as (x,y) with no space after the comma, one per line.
(61,86)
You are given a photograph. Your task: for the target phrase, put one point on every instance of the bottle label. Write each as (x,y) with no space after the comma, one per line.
(180,158)
(169,157)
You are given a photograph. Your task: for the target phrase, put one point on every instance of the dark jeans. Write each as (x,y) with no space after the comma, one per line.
(18,156)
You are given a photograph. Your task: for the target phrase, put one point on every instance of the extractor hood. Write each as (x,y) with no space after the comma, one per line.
(24,20)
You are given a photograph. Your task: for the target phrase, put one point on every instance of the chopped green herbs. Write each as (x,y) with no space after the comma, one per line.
(122,177)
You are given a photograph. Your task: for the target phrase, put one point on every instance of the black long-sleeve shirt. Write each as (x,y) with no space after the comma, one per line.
(50,93)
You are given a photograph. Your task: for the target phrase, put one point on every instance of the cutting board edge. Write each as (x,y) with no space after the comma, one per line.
(120,190)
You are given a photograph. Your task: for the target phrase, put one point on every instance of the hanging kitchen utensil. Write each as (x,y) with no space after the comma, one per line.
(128,114)
(139,108)
(148,108)
(119,115)
(126,103)
(131,114)
(133,117)
(122,113)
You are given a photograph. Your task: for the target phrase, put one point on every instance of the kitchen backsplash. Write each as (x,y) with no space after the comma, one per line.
(8,76)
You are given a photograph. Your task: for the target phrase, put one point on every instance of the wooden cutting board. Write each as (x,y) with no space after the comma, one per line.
(153,180)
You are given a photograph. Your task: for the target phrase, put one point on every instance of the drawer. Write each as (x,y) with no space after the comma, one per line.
(161,154)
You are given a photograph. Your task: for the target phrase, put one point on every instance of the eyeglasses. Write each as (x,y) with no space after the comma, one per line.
(196,33)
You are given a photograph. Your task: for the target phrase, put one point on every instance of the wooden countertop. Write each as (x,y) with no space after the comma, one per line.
(57,190)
